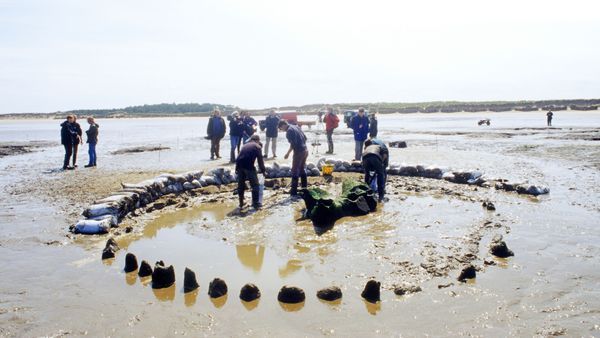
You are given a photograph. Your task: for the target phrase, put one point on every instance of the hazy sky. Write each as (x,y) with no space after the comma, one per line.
(69,54)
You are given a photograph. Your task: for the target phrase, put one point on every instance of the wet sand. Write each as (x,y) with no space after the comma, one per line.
(423,236)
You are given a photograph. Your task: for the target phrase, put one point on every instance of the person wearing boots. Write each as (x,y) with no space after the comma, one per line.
(236,129)
(272,125)
(246,171)
(297,141)
(331,122)
(375,158)
(92,140)
(68,137)
(79,140)
(216,131)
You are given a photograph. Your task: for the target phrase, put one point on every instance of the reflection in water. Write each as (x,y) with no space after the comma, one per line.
(251,256)
(251,305)
(165,294)
(146,280)
(219,301)
(292,266)
(334,305)
(372,308)
(131,277)
(108,261)
(501,262)
(291,307)
(190,298)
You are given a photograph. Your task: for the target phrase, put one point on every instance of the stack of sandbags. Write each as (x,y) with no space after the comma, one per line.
(277,170)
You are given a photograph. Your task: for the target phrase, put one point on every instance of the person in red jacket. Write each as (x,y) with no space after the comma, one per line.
(331,122)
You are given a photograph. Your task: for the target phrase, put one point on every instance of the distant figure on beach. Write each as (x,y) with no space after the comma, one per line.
(297,141)
(92,140)
(375,158)
(373,126)
(79,140)
(549,118)
(249,125)
(272,126)
(246,171)
(236,130)
(360,126)
(331,123)
(216,131)
(68,138)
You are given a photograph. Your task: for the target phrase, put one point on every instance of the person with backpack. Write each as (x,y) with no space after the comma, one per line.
(331,122)
(360,126)
(216,131)
(272,125)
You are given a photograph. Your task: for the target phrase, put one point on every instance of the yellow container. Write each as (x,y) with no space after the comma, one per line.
(328,169)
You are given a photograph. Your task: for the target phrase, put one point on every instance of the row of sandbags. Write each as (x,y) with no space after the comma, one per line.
(472,177)
(107,212)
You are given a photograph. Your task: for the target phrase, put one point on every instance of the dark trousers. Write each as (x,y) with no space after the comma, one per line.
(75,148)
(330,140)
(299,170)
(68,154)
(251,176)
(549,121)
(215,145)
(374,163)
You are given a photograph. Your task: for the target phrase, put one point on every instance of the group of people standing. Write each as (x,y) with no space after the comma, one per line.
(71,136)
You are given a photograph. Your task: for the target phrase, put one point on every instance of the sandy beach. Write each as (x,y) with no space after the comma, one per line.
(55,283)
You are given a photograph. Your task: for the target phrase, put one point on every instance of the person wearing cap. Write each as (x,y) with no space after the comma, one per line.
(375,158)
(236,129)
(246,170)
(297,141)
(216,131)
(272,125)
(360,126)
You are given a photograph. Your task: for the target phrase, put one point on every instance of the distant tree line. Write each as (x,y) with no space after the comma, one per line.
(162,109)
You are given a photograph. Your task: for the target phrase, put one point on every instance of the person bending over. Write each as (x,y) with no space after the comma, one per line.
(375,158)
(245,170)
(297,141)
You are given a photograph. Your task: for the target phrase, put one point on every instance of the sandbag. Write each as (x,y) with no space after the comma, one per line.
(92,227)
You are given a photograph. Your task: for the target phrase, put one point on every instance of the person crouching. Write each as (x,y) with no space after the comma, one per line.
(245,170)
(375,158)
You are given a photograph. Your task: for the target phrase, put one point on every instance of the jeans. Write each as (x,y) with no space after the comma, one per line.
(235,143)
(374,163)
(274,140)
(68,154)
(358,149)
(92,154)
(330,140)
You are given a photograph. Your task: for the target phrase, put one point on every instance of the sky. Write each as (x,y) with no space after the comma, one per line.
(85,54)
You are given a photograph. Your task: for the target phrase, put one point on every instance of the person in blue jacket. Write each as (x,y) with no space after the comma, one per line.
(236,129)
(249,125)
(360,126)
(216,131)
(272,125)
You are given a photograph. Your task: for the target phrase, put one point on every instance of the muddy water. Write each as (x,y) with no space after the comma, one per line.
(54,285)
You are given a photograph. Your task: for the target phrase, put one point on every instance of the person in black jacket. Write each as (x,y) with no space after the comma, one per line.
(79,132)
(92,140)
(216,131)
(272,125)
(236,129)
(68,137)
(245,170)
(375,158)
(373,126)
